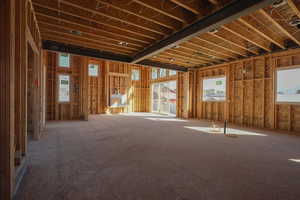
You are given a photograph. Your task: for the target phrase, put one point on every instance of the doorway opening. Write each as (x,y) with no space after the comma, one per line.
(164,97)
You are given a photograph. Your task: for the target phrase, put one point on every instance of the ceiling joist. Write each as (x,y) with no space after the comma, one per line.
(280,25)
(87,18)
(223,16)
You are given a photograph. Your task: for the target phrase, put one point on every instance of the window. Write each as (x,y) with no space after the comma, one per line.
(214,89)
(288,85)
(172,73)
(64,88)
(154,73)
(135,75)
(93,70)
(64,60)
(164,96)
(162,73)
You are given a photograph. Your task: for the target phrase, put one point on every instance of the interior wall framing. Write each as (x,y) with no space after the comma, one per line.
(250,93)
(19,31)
(90,94)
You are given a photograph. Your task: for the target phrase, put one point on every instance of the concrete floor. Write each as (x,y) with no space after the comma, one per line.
(151,157)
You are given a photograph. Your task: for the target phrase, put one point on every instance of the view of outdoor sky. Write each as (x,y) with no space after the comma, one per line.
(288,85)
(214,89)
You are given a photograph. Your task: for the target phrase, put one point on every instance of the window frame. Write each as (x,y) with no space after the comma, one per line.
(172,74)
(58,88)
(160,73)
(275,79)
(139,74)
(152,74)
(214,77)
(98,70)
(70,61)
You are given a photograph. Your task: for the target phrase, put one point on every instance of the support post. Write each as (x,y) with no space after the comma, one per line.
(7,81)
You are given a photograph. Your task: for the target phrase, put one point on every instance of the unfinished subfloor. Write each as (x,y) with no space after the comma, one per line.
(152,157)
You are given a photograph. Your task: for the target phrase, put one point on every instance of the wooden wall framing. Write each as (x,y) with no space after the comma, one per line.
(250,92)
(91,95)
(19,32)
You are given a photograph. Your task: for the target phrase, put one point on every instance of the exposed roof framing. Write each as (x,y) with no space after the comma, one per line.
(167,8)
(295,7)
(130,7)
(163,65)
(254,24)
(230,12)
(276,19)
(193,6)
(56,46)
(171,32)
(239,30)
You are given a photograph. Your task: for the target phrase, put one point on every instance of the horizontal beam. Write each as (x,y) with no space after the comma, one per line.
(94,53)
(152,63)
(223,16)
(56,46)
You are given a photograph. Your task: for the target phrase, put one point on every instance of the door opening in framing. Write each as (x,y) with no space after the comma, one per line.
(164,96)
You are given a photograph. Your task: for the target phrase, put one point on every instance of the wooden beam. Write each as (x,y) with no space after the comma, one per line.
(139,11)
(103,14)
(166,8)
(56,46)
(7,101)
(221,46)
(168,58)
(72,15)
(253,24)
(46,19)
(207,50)
(294,7)
(239,31)
(186,58)
(224,44)
(86,37)
(153,63)
(223,16)
(31,41)
(192,6)
(282,26)
(191,53)
(50,27)
(85,44)
(232,40)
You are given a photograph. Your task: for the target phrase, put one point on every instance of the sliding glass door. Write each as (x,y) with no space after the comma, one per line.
(164,97)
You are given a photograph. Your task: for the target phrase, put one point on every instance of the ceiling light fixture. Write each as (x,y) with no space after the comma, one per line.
(123,43)
(213,30)
(75,32)
(294,22)
(278,3)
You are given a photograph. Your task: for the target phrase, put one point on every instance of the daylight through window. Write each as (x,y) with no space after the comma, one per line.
(214,89)
(288,85)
